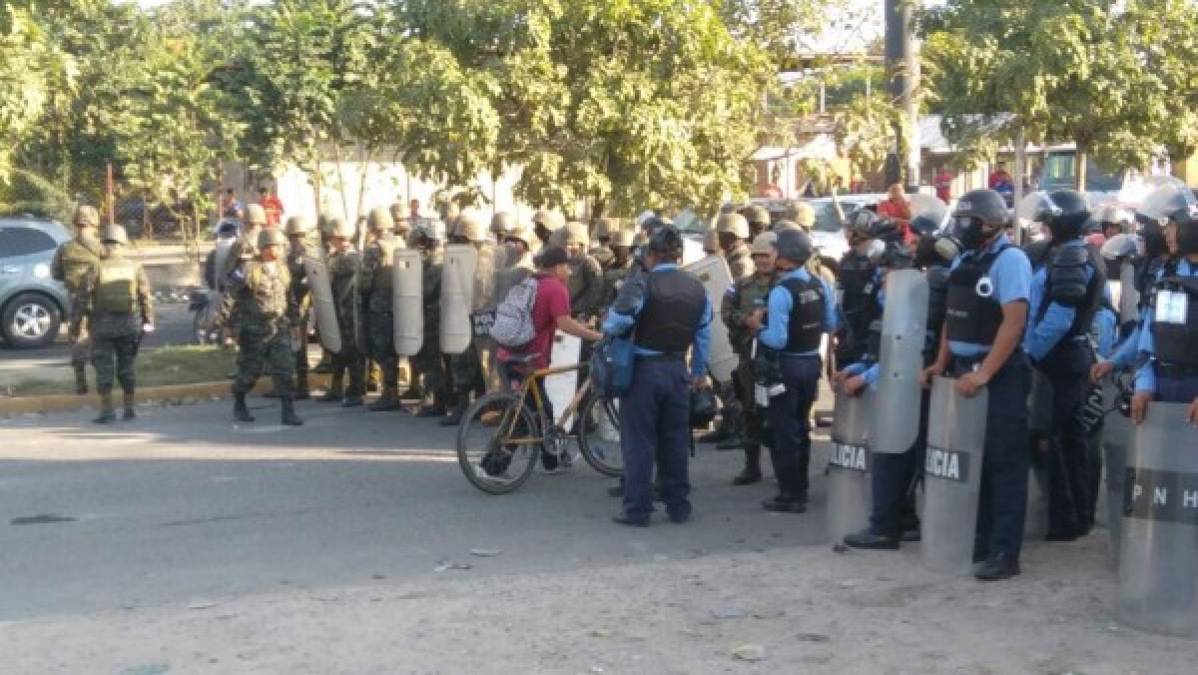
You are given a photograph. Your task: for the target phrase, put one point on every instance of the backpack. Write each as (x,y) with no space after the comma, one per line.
(513,325)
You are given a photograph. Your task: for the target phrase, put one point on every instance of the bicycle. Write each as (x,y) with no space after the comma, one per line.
(504,433)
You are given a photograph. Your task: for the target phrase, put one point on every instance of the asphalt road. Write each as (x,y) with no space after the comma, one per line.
(183,507)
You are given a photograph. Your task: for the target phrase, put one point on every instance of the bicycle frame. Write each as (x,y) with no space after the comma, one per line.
(530,387)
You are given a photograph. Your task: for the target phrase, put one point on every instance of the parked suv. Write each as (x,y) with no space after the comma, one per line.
(32,303)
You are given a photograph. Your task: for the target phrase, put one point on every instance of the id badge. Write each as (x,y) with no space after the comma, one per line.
(1172,307)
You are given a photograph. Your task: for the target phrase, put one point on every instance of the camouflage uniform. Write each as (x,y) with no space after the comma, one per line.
(301,295)
(745,296)
(430,363)
(72,261)
(740,262)
(259,293)
(343,271)
(586,287)
(116,300)
(375,284)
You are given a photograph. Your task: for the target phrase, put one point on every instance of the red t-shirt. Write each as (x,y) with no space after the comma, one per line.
(552,301)
(273,207)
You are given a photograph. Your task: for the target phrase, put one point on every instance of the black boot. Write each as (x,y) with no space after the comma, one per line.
(240,412)
(289,417)
(80,378)
(752,471)
(388,401)
(130,399)
(107,414)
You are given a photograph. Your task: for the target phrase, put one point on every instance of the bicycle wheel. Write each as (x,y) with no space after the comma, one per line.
(490,464)
(599,435)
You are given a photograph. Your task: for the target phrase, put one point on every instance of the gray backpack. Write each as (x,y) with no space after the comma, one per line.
(513,317)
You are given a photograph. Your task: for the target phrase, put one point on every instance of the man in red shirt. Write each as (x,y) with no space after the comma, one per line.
(1000,178)
(897,209)
(943,182)
(272,205)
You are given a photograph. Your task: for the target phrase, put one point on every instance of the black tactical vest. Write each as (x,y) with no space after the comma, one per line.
(857,299)
(674,302)
(971,316)
(1083,317)
(805,327)
(1176,341)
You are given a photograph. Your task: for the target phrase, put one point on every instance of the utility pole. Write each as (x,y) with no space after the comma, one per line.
(902,73)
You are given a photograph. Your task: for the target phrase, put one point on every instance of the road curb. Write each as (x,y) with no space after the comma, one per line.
(180,393)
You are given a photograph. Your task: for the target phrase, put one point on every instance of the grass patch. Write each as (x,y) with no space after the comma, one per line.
(185,364)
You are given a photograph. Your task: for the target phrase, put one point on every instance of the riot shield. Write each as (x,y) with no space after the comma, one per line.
(928,213)
(324,304)
(482,309)
(896,414)
(220,260)
(1158,560)
(1116,436)
(457,297)
(407,301)
(1171,197)
(560,388)
(1035,524)
(952,477)
(849,491)
(713,273)
(1129,295)
(1031,208)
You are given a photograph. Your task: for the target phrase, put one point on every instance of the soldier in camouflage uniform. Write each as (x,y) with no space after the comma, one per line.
(470,369)
(731,231)
(259,293)
(601,251)
(745,297)
(343,263)
(502,224)
(403,225)
(758,219)
(72,261)
(375,284)
(246,246)
(621,265)
(545,223)
(116,300)
(586,276)
(430,363)
(300,249)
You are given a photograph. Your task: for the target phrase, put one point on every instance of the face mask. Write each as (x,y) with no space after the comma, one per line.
(973,234)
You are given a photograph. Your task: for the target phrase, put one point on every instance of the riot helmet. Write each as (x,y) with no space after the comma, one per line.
(980,215)
(666,241)
(734,224)
(794,245)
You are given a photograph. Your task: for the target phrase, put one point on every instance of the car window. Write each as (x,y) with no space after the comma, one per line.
(18,241)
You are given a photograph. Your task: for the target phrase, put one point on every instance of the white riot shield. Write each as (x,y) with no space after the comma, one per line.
(1158,561)
(457,297)
(952,477)
(324,304)
(896,415)
(849,491)
(1129,296)
(929,208)
(1116,436)
(561,387)
(713,273)
(407,302)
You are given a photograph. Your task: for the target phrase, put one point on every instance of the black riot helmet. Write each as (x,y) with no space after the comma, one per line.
(794,245)
(980,214)
(1066,213)
(665,241)
(861,223)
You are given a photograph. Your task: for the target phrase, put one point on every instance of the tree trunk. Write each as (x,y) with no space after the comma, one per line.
(1080,174)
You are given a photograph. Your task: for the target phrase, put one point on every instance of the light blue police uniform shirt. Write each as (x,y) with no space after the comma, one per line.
(618,323)
(776,333)
(1105,329)
(1146,375)
(1043,335)
(1011,276)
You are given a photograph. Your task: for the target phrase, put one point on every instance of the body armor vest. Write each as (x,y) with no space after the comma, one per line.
(805,327)
(674,302)
(116,286)
(972,312)
(1174,320)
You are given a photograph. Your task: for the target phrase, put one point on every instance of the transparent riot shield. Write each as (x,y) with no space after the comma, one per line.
(407,302)
(1158,560)
(324,305)
(1129,296)
(849,491)
(928,213)
(1116,436)
(896,412)
(1171,197)
(952,477)
(713,273)
(1035,524)
(457,297)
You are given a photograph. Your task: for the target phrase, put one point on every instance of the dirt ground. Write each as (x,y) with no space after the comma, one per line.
(799,610)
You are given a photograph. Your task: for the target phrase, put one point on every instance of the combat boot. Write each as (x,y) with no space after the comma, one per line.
(289,417)
(335,392)
(388,401)
(752,471)
(107,414)
(80,378)
(240,412)
(129,414)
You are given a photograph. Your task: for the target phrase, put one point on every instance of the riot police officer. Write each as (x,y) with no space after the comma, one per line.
(668,312)
(743,298)
(471,369)
(856,287)
(430,364)
(1067,288)
(116,300)
(374,283)
(299,248)
(72,261)
(343,266)
(988,292)
(801,309)
(268,317)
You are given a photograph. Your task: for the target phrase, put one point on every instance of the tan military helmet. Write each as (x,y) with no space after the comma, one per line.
(607,227)
(271,237)
(550,220)
(801,213)
(255,214)
(763,244)
(523,234)
(503,222)
(783,225)
(297,226)
(622,238)
(340,228)
(86,216)
(379,220)
(575,234)
(734,224)
(114,234)
(470,226)
(756,214)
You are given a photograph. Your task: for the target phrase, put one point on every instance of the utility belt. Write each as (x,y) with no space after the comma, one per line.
(677,357)
(1175,370)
